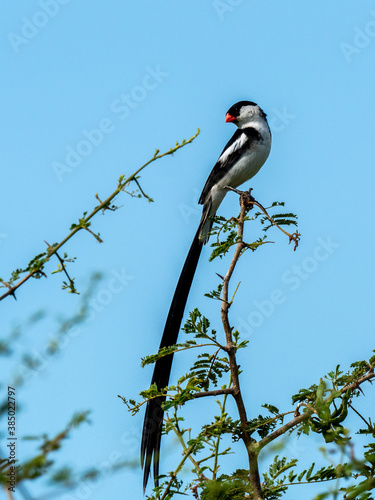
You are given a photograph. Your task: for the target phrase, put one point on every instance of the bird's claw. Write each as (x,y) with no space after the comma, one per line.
(247,199)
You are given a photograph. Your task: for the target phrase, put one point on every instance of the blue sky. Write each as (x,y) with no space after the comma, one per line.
(146,74)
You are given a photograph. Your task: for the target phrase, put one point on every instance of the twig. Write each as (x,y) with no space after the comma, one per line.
(212,364)
(231,350)
(237,287)
(122,184)
(63,268)
(292,237)
(253,448)
(215,468)
(363,418)
(355,385)
(174,474)
(301,418)
(217,392)
(180,437)
(141,190)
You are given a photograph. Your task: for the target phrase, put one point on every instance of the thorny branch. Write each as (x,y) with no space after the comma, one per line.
(231,350)
(250,202)
(247,202)
(217,392)
(83,223)
(298,419)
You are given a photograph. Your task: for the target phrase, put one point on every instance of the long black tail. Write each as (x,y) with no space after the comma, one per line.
(153,422)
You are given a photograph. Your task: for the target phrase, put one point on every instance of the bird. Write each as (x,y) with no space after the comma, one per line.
(240,160)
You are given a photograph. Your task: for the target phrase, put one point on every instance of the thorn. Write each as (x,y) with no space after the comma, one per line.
(221,277)
(295,237)
(49,248)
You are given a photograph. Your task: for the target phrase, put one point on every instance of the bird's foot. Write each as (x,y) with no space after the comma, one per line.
(247,199)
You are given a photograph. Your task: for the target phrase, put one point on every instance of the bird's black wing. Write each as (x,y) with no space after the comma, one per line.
(242,139)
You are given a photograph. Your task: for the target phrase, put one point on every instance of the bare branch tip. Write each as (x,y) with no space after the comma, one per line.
(296,238)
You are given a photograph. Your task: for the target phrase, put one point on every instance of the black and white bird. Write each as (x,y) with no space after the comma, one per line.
(240,160)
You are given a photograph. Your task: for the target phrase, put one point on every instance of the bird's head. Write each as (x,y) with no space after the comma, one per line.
(244,113)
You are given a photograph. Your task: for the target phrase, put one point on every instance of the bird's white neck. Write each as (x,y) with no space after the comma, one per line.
(261,125)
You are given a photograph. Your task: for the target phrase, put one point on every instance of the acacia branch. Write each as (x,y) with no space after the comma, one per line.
(251,201)
(360,416)
(217,392)
(63,269)
(231,350)
(354,385)
(216,453)
(83,223)
(187,454)
(252,447)
(185,448)
(301,418)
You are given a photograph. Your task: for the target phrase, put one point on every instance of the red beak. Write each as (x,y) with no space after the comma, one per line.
(229,118)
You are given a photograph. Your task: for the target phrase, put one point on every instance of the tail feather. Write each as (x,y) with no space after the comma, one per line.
(205,223)
(153,422)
